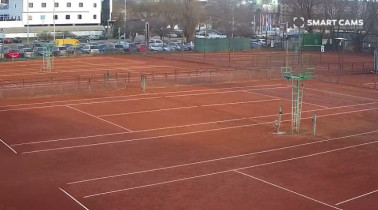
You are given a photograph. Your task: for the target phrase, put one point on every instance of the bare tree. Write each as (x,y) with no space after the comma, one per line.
(192,12)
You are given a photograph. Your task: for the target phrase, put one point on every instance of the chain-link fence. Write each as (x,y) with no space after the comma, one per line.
(60,86)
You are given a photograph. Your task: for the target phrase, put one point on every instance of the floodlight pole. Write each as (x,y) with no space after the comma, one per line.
(124,34)
(27,20)
(54,21)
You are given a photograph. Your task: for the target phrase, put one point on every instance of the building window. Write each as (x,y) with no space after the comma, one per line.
(68,17)
(56,4)
(43,17)
(30,5)
(55,17)
(79,17)
(94,16)
(30,17)
(68,4)
(43,5)
(81,4)
(94,5)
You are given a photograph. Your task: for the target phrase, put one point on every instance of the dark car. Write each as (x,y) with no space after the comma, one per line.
(17,40)
(132,48)
(8,41)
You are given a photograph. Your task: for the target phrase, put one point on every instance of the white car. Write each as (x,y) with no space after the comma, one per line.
(156,42)
(91,49)
(155,47)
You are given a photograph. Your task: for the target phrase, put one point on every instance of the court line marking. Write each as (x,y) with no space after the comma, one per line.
(283,188)
(180,134)
(136,95)
(219,159)
(73,198)
(8,146)
(360,196)
(335,93)
(251,91)
(230,170)
(181,126)
(134,99)
(189,107)
(86,113)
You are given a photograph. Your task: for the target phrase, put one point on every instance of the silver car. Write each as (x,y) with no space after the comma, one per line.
(26,53)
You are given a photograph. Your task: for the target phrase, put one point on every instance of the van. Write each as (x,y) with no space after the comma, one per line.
(62,42)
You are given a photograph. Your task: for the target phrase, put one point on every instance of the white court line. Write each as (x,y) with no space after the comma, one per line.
(251,91)
(230,170)
(8,146)
(219,159)
(342,94)
(171,92)
(181,134)
(283,188)
(356,197)
(187,107)
(73,198)
(124,100)
(86,113)
(126,60)
(181,126)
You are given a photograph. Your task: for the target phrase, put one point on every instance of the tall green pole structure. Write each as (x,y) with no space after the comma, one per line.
(297,84)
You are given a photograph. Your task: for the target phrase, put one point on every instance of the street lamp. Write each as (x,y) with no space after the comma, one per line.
(54,20)
(27,19)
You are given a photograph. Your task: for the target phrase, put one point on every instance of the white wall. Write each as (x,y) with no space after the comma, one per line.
(87,12)
(14,9)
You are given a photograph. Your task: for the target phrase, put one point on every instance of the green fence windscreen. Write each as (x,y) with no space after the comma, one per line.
(219,45)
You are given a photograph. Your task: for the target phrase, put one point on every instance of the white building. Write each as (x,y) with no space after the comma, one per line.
(42,12)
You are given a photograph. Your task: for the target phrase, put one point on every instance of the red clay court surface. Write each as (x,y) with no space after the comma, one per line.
(204,147)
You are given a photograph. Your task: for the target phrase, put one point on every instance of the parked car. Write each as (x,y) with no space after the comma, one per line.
(4,49)
(155,48)
(142,48)
(1,40)
(156,41)
(132,48)
(189,46)
(119,48)
(60,51)
(167,48)
(17,40)
(90,49)
(8,41)
(41,51)
(175,46)
(26,53)
(70,48)
(20,46)
(12,53)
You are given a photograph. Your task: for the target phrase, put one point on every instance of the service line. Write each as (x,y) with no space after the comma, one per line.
(231,170)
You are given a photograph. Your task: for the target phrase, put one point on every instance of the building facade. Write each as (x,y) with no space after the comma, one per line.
(21,13)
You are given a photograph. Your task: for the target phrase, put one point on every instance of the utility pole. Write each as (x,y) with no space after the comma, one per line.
(27,20)
(54,21)
(124,34)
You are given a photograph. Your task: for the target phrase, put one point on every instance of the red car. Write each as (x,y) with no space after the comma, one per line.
(8,41)
(142,48)
(12,53)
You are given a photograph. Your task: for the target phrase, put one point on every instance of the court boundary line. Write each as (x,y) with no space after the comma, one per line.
(189,107)
(160,95)
(74,199)
(285,189)
(182,126)
(343,94)
(219,159)
(230,170)
(354,198)
(251,91)
(9,147)
(181,134)
(86,113)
